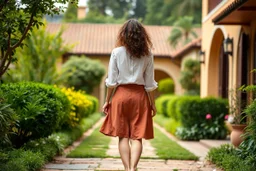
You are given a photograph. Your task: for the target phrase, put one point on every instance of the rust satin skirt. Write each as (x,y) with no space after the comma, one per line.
(129,114)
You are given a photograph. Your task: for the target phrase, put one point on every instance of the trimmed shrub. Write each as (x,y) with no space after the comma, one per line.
(195,124)
(166,86)
(161,104)
(171,107)
(82,73)
(42,109)
(194,109)
(169,124)
(190,76)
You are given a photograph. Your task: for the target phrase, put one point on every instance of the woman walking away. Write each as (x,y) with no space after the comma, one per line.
(130,108)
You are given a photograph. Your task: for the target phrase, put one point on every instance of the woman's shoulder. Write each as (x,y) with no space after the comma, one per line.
(120,49)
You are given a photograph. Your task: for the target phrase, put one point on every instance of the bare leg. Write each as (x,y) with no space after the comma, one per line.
(136,150)
(125,152)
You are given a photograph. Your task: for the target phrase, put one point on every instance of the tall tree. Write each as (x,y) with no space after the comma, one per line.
(166,12)
(190,8)
(183,30)
(98,6)
(18,18)
(120,8)
(153,16)
(71,13)
(140,9)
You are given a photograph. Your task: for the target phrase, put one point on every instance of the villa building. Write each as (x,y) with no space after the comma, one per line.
(96,41)
(228,46)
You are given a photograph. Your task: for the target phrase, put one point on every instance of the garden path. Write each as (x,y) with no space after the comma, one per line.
(200,149)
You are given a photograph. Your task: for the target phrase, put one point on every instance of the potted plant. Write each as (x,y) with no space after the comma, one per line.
(236,119)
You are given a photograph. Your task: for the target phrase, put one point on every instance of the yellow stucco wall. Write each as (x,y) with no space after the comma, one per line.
(212,37)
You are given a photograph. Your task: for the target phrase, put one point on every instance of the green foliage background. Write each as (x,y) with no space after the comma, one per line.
(82,73)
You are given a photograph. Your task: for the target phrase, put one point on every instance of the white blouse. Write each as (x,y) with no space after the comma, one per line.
(124,69)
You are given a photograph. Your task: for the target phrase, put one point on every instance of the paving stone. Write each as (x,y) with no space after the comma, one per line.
(67,166)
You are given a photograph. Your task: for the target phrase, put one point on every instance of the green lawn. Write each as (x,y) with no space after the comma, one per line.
(168,149)
(95,145)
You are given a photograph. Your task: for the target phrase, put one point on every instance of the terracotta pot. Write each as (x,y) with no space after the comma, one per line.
(235,136)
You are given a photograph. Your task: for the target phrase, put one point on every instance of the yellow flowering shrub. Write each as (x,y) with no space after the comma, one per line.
(81,106)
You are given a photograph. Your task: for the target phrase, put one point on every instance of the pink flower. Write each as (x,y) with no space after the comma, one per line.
(226,117)
(208,116)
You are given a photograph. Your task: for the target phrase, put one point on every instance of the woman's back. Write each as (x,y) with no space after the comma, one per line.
(130,70)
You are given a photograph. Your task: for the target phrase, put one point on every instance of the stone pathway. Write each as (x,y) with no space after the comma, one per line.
(62,163)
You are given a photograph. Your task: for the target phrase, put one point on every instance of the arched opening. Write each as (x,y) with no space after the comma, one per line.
(243,67)
(223,73)
(218,70)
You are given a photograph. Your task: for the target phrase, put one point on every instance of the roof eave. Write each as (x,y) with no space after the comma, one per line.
(233,6)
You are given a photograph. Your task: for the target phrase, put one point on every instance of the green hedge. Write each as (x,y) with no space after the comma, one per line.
(172,106)
(41,110)
(168,123)
(161,104)
(194,109)
(195,125)
(186,116)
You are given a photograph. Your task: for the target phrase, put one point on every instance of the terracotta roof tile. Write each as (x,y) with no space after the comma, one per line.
(193,44)
(100,38)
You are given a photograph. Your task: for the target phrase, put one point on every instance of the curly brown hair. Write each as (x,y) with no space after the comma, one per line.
(134,38)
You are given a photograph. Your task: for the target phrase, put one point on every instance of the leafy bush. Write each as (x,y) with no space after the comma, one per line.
(247,149)
(210,129)
(81,106)
(95,103)
(190,77)
(166,86)
(194,109)
(42,109)
(195,125)
(24,160)
(35,153)
(161,104)
(82,73)
(8,119)
(226,157)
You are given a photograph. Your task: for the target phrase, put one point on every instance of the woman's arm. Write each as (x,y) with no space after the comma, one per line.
(151,95)
(107,101)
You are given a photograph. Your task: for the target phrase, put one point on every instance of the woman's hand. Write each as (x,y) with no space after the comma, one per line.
(105,107)
(153,108)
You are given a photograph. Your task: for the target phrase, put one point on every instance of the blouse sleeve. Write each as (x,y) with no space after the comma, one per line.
(111,80)
(150,83)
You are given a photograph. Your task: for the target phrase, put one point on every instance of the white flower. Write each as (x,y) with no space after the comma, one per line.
(231,119)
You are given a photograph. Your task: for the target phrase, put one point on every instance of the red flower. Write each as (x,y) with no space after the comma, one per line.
(226,117)
(208,116)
